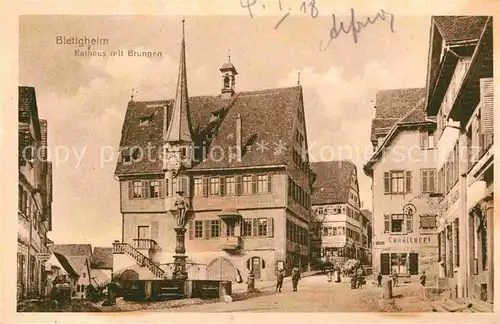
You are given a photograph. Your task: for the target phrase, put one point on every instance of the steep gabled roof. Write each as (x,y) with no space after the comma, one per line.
(73,249)
(415,117)
(266,116)
(78,263)
(393,104)
(460,28)
(367,213)
(333,181)
(65,264)
(102,258)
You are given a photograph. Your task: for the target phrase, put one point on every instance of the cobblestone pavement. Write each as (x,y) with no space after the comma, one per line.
(315,295)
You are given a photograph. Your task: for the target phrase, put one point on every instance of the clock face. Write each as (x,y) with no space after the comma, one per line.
(173,161)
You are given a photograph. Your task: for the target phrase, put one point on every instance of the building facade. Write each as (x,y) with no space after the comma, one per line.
(369,232)
(248,185)
(341,227)
(403,172)
(460,96)
(35,198)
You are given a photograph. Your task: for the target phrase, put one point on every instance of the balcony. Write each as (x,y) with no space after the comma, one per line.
(230,214)
(231,242)
(145,244)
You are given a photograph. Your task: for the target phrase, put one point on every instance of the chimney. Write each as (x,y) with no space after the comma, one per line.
(238,138)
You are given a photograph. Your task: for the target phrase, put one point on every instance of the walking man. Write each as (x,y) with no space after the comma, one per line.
(361,277)
(295,277)
(423,278)
(279,280)
(379,279)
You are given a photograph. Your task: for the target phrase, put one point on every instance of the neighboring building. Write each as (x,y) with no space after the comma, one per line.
(35,198)
(243,166)
(79,257)
(460,94)
(369,233)
(403,172)
(101,266)
(335,205)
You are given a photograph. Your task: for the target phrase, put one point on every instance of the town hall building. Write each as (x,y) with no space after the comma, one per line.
(243,166)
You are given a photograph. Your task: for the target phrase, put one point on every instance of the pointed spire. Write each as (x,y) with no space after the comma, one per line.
(179,129)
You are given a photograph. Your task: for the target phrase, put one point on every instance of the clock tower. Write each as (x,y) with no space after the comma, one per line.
(178,141)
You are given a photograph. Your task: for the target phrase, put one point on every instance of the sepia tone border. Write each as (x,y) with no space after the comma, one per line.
(8,144)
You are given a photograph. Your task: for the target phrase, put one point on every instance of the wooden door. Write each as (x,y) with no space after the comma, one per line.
(221,269)
(413,263)
(256,267)
(385,264)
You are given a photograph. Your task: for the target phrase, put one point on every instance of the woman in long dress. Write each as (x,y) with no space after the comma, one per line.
(295,278)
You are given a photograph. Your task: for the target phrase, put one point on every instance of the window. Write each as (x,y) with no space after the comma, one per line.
(456,244)
(395,182)
(247,185)
(426,139)
(142,232)
(214,186)
(261,183)
(230,230)
(262,229)
(230,186)
(397,222)
(428,180)
(154,189)
(137,190)
(247,227)
(325,231)
(214,228)
(198,229)
(198,187)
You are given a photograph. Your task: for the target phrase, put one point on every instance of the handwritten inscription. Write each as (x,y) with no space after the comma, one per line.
(355,27)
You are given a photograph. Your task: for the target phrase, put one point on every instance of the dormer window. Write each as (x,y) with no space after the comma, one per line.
(146,120)
(126,156)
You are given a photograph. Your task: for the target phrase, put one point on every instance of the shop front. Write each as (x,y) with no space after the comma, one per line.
(408,255)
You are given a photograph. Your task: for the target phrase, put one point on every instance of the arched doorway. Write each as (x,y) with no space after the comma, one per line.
(129,275)
(221,269)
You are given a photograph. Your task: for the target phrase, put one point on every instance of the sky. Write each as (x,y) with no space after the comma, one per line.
(84,98)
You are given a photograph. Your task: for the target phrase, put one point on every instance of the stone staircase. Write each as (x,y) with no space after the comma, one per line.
(140,258)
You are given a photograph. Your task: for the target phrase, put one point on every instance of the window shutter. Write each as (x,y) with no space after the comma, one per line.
(387,182)
(486,85)
(131,190)
(205,187)
(254,183)
(248,264)
(255,227)
(289,187)
(409,223)
(222,188)
(387,223)
(425,181)
(155,229)
(270,227)
(191,229)
(238,185)
(223,229)
(424,139)
(269,182)
(161,184)
(206,228)
(145,187)
(432,180)
(408,181)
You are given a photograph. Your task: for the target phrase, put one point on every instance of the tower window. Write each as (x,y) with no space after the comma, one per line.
(226,82)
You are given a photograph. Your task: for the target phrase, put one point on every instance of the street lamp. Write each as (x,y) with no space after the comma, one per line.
(180,214)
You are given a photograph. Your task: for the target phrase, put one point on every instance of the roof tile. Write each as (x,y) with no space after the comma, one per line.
(333,181)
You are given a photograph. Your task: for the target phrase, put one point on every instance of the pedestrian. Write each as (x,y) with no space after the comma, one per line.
(360,277)
(379,279)
(394,275)
(353,280)
(329,276)
(337,274)
(423,278)
(295,277)
(279,280)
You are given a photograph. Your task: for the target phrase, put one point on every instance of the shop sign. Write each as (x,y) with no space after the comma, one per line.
(410,239)
(379,242)
(43,256)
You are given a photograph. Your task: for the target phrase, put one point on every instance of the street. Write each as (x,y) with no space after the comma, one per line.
(314,295)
